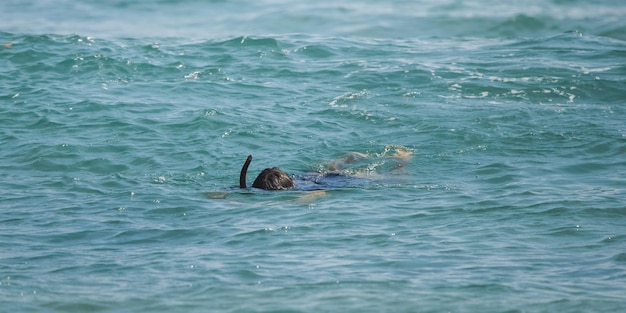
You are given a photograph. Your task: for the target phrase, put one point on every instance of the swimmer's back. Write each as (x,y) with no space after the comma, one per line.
(326,181)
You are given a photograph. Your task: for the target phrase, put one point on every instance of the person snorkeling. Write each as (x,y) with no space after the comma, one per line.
(276,179)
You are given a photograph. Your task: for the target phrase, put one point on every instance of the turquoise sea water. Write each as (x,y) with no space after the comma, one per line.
(124,126)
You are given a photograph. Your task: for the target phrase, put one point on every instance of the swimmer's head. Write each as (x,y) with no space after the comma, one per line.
(273,179)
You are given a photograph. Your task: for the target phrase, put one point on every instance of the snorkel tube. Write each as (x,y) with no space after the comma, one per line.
(244,170)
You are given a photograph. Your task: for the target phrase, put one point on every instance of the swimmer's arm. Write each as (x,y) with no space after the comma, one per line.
(217,194)
(304,198)
(311,196)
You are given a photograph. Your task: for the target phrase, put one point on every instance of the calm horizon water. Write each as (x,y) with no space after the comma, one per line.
(124,125)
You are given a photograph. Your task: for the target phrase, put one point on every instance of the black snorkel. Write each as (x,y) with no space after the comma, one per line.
(244,171)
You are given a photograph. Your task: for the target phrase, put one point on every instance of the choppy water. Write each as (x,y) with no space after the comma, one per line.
(120,122)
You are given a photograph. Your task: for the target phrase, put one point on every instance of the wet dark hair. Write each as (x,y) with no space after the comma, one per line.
(273,179)
(270,179)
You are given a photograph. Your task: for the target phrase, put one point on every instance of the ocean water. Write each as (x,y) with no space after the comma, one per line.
(124,125)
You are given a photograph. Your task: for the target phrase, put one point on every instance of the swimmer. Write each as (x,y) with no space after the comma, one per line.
(277,179)
(354,170)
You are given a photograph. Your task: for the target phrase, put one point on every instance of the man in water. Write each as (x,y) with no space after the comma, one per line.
(276,179)
(336,174)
